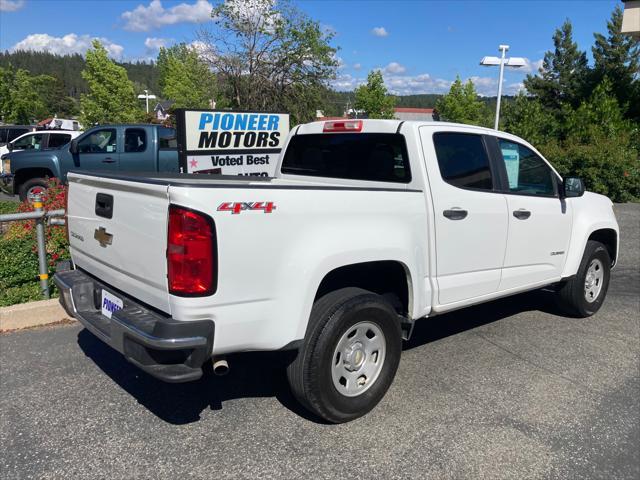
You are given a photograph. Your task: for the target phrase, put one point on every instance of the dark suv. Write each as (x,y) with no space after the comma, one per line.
(9,132)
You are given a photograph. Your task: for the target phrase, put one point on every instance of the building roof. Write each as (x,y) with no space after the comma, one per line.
(413,110)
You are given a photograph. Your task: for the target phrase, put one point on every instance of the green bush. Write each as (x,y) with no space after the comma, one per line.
(18,272)
(18,253)
(8,207)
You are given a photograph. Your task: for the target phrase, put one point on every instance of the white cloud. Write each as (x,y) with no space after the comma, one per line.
(399,84)
(357,66)
(143,19)
(11,5)
(394,68)
(379,32)
(154,44)
(531,66)
(69,44)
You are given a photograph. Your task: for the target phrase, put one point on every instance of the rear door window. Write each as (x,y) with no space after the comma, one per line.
(29,142)
(167,138)
(135,140)
(378,157)
(56,140)
(463,160)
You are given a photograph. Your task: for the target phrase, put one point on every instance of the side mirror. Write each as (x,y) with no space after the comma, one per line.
(73,146)
(10,146)
(572,187)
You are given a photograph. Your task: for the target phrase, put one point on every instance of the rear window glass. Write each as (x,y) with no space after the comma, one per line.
(379,157)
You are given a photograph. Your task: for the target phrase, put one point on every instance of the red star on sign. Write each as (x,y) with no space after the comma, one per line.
(194,163)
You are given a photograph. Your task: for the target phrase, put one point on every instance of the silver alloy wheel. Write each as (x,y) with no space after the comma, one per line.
(593,280)
(358,359)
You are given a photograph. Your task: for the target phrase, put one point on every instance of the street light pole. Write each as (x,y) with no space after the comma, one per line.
(504,49)
(501,62)
(146,97)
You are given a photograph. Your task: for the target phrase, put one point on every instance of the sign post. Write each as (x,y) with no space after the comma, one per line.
(230,143)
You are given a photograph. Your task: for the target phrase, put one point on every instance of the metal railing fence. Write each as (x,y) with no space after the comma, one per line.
(41,217)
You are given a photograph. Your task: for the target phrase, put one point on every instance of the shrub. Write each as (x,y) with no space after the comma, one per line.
(19,255)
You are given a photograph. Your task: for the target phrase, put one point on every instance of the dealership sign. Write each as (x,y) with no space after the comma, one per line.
(230,143)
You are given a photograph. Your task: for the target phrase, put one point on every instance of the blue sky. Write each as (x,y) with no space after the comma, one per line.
(420,45)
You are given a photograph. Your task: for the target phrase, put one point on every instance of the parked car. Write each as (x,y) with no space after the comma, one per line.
(368,226)
(39,140)
(11,132)
(110,148)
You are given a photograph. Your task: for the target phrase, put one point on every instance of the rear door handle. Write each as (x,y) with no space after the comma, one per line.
(455,213)
(521,214)
(108,160)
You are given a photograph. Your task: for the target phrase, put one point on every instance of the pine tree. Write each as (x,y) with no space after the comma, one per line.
(111,97)
(373,97)
(564,72)
(617,57)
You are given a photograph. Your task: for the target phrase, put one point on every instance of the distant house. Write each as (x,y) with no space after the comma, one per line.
(422,114)
(162,110)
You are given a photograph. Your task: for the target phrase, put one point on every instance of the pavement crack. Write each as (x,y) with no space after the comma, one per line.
(541,367)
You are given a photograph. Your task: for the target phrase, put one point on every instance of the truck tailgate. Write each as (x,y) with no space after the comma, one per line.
(118,232)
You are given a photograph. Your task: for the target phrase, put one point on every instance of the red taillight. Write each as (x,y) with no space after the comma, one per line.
(342,126)
(190,253)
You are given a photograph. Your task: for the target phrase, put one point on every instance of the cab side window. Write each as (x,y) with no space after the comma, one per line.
(463,160)
(100,141)
(527,173)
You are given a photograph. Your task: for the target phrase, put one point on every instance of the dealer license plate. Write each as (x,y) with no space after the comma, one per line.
(110,303)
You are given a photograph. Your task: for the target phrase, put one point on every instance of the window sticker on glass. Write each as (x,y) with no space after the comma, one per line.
(511,156)
(110,148)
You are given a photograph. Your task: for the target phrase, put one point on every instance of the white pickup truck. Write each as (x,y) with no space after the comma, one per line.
(368,226)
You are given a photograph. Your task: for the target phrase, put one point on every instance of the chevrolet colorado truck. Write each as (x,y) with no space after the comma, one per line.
(109,148)
(368,226)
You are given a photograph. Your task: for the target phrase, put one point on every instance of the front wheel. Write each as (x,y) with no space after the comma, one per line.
(583,295)
(350,355)
(33,187)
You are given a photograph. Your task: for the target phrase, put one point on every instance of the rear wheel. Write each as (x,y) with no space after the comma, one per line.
(32,187)
(350,355)
(583,295)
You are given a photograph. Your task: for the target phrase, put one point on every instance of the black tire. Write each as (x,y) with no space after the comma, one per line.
(310,374)
(29,184)
(571,295)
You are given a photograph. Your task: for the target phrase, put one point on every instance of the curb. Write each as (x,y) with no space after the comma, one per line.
(32,314)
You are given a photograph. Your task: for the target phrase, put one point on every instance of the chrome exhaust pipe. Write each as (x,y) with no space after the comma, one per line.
(220,366)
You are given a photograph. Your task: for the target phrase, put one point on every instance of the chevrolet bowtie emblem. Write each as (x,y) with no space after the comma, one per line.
(103,237)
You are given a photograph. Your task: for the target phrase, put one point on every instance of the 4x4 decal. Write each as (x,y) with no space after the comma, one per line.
(237,207)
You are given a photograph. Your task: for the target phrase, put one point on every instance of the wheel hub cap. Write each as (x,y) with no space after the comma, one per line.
(354,357)
(593,280)
(358,359)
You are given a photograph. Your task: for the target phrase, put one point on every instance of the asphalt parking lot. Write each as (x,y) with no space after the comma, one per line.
(508,389)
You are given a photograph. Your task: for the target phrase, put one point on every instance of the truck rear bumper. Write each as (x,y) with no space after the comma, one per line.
(168,349)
